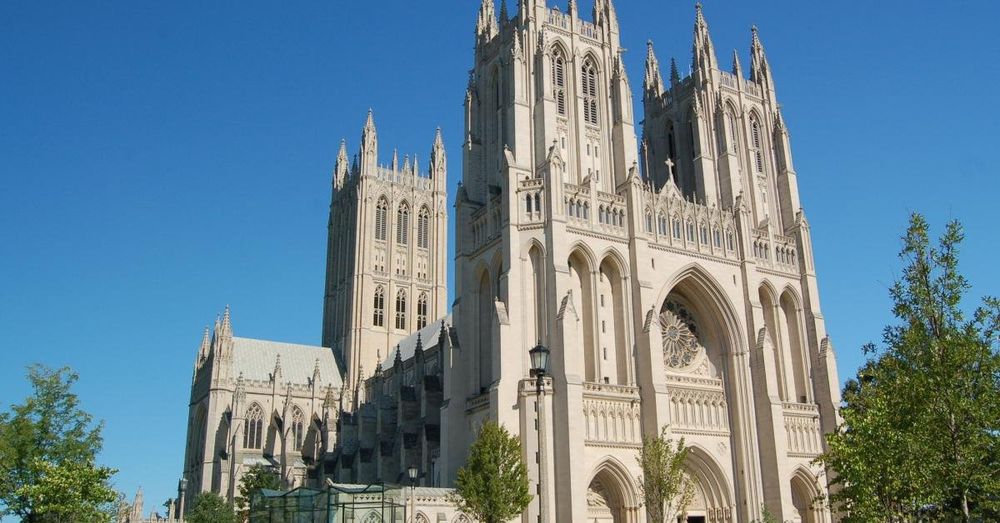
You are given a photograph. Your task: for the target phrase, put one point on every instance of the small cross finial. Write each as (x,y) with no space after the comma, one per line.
(670,167)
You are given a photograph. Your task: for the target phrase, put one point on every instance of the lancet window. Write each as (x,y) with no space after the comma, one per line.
(403,224)
(423,228)
(381,216)
(588,82)
(401,310)
(379,319)
(422,311)
(253,428)
(298,436)
(559,81)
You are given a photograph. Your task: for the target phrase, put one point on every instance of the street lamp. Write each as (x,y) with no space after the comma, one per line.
(413,473)
(182,486)
(539,365)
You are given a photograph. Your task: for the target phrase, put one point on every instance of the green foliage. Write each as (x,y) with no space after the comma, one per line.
(666,489)
(257,478)
(921,421)
(493,484)
(48,447)
(210,508)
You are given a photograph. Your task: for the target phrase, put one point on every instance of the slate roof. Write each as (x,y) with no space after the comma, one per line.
(255,359)
(429,335)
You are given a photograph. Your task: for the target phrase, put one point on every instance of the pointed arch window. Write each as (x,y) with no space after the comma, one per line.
(381,217)
(588,83)
(423,228)
(422,311)
(559,81)
(401,310)
(755,145)
(298,435)
(379,319)
(403,224)
(253,428)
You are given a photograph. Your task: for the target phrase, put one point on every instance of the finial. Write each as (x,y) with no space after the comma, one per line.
(420,344)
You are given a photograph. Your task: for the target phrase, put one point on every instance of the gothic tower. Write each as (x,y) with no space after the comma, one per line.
(386,273)
(673,282)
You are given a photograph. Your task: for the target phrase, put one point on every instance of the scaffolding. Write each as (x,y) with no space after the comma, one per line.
(336,504)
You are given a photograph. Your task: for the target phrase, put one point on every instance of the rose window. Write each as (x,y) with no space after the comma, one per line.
(680,344)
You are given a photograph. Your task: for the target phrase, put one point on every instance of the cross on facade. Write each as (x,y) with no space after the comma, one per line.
(670,168)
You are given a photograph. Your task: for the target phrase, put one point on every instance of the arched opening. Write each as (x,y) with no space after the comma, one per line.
(487,309)
(792,339)
(804,494)
(581,280)
(612,329)
(770,321)
(712,498)
(611,497)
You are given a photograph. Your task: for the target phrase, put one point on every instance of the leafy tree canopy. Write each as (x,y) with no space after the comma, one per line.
(210,508)
(257,478)
(493,484)
(48,447)
(666,488)
(921,420)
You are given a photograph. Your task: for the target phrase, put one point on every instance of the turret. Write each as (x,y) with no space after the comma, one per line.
(653,83)
(369,147)
(704,59)
(439,159)
(760,70)
(486,25)
(340,171)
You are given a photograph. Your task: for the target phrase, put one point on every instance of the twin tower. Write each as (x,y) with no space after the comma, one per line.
(671,276)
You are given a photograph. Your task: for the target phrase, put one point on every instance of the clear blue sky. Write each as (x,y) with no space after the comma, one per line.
(162,159)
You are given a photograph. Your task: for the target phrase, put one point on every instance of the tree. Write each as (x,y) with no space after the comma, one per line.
(257,478)
(493,484)
(921,421)
(48,447)
(210,508)
(666,489)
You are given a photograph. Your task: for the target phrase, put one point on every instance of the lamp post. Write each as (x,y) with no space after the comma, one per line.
(182,486)
(413,474)
(539,365)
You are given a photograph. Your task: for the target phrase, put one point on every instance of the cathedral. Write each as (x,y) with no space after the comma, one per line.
(666,264)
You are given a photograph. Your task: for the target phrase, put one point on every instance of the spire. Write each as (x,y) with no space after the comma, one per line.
(704,52)
(420,345)
(342,166)
(439,159)
(206,345)
(316,374)
(486,25)
(416,166)
(398,361)
(395,160)
(406,163)
(369,146)
(737,68)
(227,325)
(653,83)
(675,75)
(276,375)
(759,68)
(605,15)
(504,18)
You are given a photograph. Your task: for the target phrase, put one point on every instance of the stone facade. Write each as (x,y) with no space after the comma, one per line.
(256,402)
(671,277)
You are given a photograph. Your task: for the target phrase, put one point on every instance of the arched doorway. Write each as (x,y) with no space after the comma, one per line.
(804,494)
(611,497)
